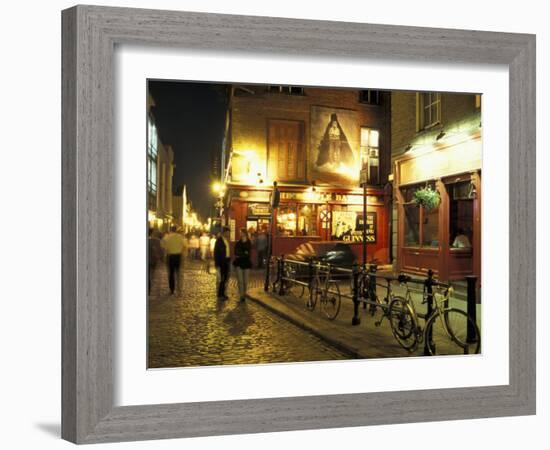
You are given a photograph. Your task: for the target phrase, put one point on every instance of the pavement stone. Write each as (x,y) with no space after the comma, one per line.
(193,328)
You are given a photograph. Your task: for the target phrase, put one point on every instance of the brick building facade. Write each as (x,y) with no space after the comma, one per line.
(313,142)
(436,144)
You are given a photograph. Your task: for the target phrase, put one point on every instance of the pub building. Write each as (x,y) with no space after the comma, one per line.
(439,147)
(313,142)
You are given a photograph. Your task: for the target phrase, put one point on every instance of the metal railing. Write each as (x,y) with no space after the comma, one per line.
(363,280)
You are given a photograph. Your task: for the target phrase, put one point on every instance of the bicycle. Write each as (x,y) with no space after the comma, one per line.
(290,281)
(368,294)
(325,291)
(447,330)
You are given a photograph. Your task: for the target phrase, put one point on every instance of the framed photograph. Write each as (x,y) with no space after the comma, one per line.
(264,230)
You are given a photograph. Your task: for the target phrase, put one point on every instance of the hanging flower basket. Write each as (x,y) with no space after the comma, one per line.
(427,197)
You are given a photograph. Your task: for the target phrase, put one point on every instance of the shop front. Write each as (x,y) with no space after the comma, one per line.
(320,216)
(445,236)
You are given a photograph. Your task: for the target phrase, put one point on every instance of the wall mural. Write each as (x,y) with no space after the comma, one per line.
(334,146)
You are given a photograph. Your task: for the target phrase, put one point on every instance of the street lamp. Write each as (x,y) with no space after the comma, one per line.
(217,187)
(274,203)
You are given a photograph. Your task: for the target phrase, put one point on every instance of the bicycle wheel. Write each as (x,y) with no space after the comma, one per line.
(447,333)
(331,299)
(403,323)
(311,299)
(297,290)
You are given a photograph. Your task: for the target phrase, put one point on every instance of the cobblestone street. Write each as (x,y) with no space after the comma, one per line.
(193,328)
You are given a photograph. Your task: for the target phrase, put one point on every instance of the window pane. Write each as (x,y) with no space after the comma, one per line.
(307,220)
(153,173)
(461,215)
(412,225)
(373,162)
(286,220)
(373,138)
(365,132)
(430,230)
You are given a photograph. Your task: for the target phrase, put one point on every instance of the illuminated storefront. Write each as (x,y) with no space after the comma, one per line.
(324,215)
(446,238)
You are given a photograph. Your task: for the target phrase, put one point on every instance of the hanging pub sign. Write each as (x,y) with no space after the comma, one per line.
(348,226)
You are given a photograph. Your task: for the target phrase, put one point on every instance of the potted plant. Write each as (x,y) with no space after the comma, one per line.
(427,197)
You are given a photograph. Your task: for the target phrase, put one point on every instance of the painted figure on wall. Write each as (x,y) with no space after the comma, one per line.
(334,148)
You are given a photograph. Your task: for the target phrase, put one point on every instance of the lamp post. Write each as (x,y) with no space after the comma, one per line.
(274,203)
(363,180)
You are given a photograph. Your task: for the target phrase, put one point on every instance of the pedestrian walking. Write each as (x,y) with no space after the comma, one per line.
(204,244)
(193,246)
(173,244)
(154,255)
(261,248)
(211,245)
(222,258)
(242,262)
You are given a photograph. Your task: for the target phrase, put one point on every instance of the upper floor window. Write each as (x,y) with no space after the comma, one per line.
(369,96)
(290,90)
(152,152)
(370,154)
(429,109)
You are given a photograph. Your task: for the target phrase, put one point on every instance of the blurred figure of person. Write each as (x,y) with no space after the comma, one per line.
(261,248)
(174,246)
(193,246)
(242,262)
(461,240)
(204,244)
(222,258)
(212,244)
(154,255)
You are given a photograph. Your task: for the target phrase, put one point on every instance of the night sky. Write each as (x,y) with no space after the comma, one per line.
(190,116)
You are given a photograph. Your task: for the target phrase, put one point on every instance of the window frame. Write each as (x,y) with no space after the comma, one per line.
(421,214)
(295,209)
(421,108)
(368,148)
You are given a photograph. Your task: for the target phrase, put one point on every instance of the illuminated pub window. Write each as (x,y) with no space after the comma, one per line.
(421,225)
(307,220)
(370,154)
(461,214)
(297,220)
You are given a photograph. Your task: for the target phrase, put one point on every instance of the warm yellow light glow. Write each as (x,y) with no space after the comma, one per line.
(349,172)
(251,169)
(311,195)
(217,187)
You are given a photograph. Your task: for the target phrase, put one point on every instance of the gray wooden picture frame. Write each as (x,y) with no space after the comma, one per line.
(90,34)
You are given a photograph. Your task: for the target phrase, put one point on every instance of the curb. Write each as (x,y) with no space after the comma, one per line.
(309,328)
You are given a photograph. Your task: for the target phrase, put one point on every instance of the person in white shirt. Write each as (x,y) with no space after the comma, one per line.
(174,246)
(461,240)
(204,244)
